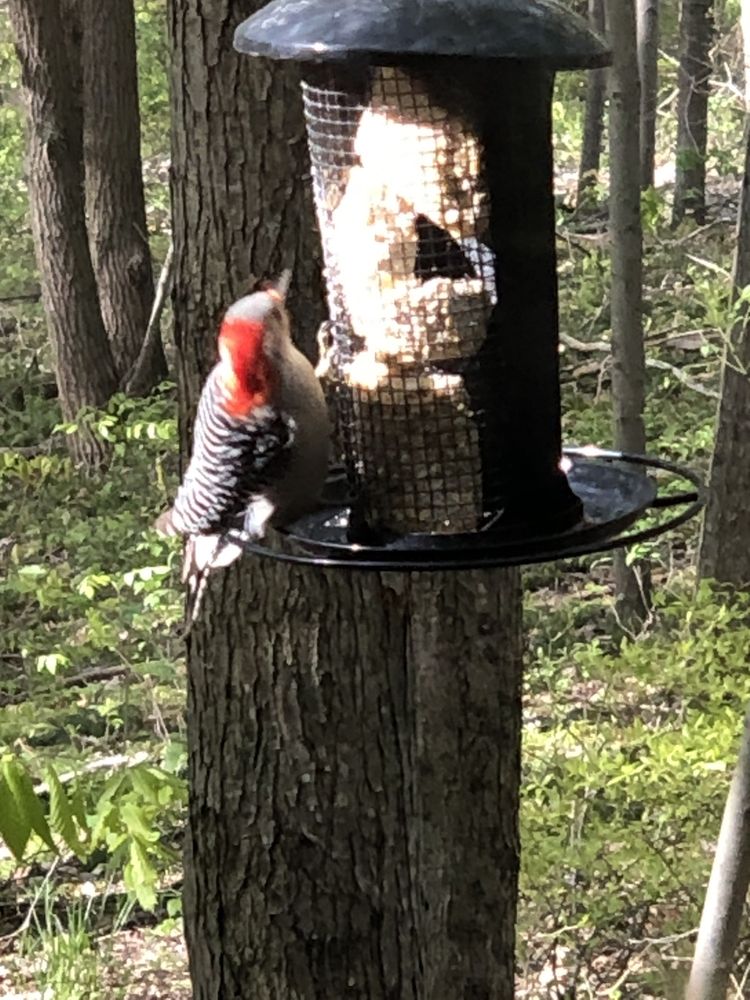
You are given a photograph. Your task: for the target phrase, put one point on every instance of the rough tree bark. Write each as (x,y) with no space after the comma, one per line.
(70,11)
(354,738)
(696,36)
(83,361)
(745,24)
(116,210)
(727,889)
(647,12)
(725,542)
(354,784)
(593,123)
(628,360)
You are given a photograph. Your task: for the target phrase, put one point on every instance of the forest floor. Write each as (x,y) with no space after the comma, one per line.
(134,964)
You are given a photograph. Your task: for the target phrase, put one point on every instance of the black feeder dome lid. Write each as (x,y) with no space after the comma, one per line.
(333,30)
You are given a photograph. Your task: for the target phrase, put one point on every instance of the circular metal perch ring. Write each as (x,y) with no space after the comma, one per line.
(614,487)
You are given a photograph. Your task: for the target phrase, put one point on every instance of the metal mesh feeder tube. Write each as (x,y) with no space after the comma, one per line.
(431,346)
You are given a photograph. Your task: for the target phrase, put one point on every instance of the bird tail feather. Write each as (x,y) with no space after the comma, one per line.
(204,553)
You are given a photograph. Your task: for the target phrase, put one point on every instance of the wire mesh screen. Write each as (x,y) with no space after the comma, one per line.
(403,213)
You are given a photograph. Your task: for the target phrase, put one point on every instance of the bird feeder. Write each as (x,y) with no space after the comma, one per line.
(429,130)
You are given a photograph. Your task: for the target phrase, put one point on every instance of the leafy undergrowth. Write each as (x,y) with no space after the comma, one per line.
(91,682)
(628,749)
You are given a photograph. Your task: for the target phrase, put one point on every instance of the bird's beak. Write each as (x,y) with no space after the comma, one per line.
(281,285)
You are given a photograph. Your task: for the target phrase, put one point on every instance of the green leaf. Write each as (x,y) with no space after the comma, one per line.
(145,783)
(33,570)
(78,807)
(61,814)
(101,823)
(27,801)
(140,875)
(50,662)
(15,828)
(175,756)
(133,817)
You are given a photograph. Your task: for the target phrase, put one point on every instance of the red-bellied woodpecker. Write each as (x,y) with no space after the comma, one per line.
(260,441)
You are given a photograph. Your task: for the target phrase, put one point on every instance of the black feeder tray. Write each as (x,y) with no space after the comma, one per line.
(429,130)
(615,490)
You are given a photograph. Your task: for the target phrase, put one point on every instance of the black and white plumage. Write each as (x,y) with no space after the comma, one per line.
(220,481)
(260,442)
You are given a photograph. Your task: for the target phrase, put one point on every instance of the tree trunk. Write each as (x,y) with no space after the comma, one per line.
(593,123)
(370,847)
(628,361)
(71,13)
(354,737)
(648,63)
(745,23)
(727,889)
(116,209)
(696,35)
(725,541)
(84,365)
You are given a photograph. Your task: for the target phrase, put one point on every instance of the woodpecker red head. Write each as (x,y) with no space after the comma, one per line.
(252,339)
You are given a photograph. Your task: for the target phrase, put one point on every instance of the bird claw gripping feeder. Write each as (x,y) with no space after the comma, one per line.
(429,128)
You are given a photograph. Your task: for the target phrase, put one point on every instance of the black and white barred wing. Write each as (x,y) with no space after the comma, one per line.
(233,460)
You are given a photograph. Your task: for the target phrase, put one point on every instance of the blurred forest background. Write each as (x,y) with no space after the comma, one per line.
(631,727)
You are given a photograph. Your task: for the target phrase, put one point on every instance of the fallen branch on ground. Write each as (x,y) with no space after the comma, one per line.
(46,447)
(96,674)
(602,346)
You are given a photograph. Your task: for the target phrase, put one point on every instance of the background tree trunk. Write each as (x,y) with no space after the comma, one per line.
(118,234)
(725,541)
(727,889)
(71,13)
(628,361)
(84,365)
(593,124)
(354,737)
(745,24)
(696,36)
(648,70)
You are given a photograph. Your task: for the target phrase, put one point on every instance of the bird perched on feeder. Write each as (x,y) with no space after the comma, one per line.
(260,441)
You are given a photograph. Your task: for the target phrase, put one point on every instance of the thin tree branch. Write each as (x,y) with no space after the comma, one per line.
(153,330)
(96,674)
(28,297)
(112,762)
(585,346)
(602,345)
(46,447)
(680,375)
